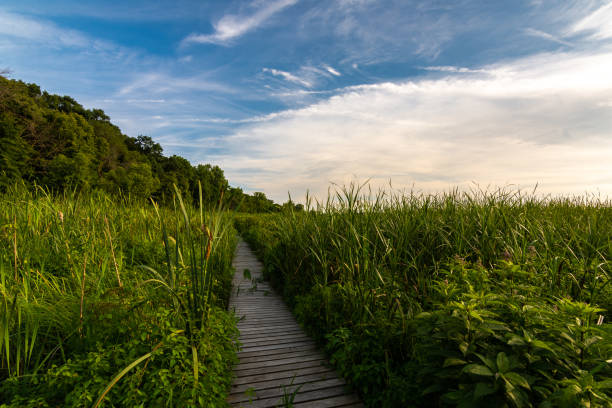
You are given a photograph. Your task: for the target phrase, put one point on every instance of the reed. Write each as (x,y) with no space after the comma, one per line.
(77,297)
(367,271)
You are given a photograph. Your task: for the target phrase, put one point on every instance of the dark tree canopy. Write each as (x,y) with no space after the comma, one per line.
(54,141)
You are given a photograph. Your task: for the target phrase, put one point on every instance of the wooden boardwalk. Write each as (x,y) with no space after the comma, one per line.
(277,360)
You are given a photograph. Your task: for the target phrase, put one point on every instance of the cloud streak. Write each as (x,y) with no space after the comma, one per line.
(541,34)
(40,31)
(598,23)
(230,26)
(288,76)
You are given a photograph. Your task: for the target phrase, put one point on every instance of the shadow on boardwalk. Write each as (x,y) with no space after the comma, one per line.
(278,361)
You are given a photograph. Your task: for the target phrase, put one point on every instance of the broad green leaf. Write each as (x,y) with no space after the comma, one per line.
(488,361)
(605,384)
(517,379)
(542,345)
(451,361)
(454,396)
(516,341)
(503,364)
(477,369)
(463,347)
(516,396)
(483,389)
(432,388)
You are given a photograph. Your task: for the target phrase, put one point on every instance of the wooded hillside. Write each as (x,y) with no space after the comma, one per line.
(55,142)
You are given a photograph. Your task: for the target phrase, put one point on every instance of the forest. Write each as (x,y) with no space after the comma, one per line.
(53,141)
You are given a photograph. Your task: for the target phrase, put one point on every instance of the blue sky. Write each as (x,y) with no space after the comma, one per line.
(292,95)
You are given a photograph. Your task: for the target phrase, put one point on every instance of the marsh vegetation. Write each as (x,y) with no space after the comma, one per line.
(494,298)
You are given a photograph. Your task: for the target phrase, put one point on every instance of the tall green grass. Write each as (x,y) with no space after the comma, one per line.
(90,284)
(375,276)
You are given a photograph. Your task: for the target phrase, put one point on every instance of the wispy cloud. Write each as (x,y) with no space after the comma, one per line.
(598,23)
(331,70)
(230,26)
(542,34)
(288,76)
(158,83)
(453,69)
(41,31)
(541,119)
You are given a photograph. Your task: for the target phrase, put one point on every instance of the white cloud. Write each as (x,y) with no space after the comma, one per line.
(230,27)
(598,23)
(331,70)
(157,83)
(543,119)
(542,34)
(288,77)
(452,69)
(19,26)
(139,101)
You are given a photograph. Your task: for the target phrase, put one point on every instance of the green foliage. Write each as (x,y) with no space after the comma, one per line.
(52,141)
(481,299)
(79,305)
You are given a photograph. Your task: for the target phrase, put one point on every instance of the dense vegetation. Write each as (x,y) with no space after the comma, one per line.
(108,301)
(473,300)
(51,140)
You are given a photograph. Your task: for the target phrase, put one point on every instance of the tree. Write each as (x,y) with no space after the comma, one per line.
(53,140)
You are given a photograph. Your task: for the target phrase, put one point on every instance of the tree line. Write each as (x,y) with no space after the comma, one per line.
(55,142)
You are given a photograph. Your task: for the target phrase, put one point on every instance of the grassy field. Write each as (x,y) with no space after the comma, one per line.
(113,302)
(482,299)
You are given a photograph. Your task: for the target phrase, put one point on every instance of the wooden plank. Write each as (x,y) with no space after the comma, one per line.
(279,375)
(282,389)
(242,354)
(284,367)
(270,320)
(255,325)
(268,327)
(280,356)
(276,333)
(262,316)
(299,379)
(267,316)
(318,396)
(278,362)
(275,341)
(271,339)
(280,346)
(338,401)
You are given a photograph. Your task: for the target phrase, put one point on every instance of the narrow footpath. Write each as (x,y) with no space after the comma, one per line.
(279,364)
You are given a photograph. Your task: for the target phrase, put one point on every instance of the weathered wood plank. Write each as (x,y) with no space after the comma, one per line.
(282,361)
(242,354)
(280,346)
(300,379)
(273,340)
(280,375)
(279,356)
(265,327)
(288,388)
(338,401)
(265,335)
(318,396)
(284,367)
